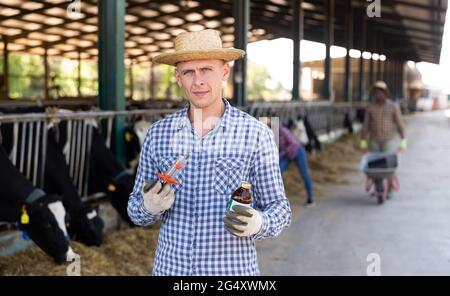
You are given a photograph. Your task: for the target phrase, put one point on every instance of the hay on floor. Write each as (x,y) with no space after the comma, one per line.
(125,252)
(331,166)
(131,251)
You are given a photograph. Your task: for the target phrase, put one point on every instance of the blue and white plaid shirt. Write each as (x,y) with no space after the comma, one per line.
(193,239)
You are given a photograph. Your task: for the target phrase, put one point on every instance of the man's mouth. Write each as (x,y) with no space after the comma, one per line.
(200,93)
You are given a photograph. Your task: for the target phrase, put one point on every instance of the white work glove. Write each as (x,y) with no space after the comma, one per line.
(363,145)
(156,202)
(243,221)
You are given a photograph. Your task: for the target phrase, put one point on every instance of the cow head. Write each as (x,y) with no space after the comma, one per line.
(107,174)
(119,190)
(87,227)
(141,128)
(47,228)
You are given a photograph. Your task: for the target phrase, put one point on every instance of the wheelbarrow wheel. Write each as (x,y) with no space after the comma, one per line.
(380,189)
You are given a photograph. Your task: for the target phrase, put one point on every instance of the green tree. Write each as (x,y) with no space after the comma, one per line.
(258,81)
(89,78)
(25,76)
(63,81)
(166,82)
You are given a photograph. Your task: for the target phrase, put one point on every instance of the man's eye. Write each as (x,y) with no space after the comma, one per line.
(188,73)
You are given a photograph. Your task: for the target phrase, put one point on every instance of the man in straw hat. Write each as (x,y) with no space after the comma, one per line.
(225,146)
(382,122)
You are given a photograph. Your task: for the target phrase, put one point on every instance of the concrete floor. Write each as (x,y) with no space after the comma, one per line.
(410,233)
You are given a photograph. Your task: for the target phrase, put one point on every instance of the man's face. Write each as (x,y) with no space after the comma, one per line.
(201,80)
(379,95)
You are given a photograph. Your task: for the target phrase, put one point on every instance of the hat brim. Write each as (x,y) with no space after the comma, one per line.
(380,88)
(172,58)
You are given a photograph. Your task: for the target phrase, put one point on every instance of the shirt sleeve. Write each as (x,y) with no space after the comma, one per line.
(268,188)
(292,144)
(146,171)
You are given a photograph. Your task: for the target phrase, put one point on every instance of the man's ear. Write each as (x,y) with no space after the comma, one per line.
(177,77)
(226,71)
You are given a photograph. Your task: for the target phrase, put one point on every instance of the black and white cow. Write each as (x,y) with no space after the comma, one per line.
(313,140)
(84,224)
(46,225)
(108,175)
(134,135)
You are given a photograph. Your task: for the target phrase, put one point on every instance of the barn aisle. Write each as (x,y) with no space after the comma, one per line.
(408,235)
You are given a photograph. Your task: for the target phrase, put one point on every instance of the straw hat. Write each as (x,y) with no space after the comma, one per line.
(381,85)
(201,45)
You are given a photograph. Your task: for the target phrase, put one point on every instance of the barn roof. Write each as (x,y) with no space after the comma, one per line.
(410,29)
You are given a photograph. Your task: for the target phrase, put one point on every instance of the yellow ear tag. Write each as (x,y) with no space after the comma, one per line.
(128,136)
(111,187)
(24,219)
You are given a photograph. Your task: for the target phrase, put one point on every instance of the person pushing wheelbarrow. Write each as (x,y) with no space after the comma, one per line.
(383,124)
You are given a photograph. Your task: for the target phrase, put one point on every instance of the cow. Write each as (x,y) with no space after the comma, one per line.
(313,141)
(106,174)
(134,135)
(44,212)
(132,147)
(84,223)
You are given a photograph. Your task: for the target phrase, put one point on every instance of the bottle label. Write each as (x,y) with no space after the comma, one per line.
(231,202)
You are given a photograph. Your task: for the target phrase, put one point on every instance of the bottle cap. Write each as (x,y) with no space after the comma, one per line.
(246,185)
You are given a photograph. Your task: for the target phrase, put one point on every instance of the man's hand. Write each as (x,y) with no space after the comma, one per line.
(363,145)
(156,200)
(243,221)
(403,144)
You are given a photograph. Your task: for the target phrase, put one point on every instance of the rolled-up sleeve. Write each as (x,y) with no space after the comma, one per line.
(146,171)
(268,188)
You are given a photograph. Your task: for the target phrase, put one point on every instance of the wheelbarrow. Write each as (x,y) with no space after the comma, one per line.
(379,167)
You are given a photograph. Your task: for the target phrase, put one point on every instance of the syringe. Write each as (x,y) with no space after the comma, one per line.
(169,176)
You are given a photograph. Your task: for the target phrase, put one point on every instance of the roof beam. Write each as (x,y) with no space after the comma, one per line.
(24,11)
(420,6)
(47,26)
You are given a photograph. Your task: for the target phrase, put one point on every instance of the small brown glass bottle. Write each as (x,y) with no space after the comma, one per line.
(241,196)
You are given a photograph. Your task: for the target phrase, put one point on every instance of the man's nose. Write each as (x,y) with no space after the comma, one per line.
(198,80)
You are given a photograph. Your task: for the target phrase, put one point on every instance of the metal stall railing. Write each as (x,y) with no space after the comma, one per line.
(30,130)
(324,117)
(28,149)
(29,133)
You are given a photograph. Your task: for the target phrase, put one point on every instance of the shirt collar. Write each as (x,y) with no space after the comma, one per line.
(224,121)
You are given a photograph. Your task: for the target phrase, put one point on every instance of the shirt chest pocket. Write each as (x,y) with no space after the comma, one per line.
(228,173)
(164,166)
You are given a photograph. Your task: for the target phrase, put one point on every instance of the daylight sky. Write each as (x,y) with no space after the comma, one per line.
(277,56)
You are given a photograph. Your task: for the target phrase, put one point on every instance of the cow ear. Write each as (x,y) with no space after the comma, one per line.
(128,136)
